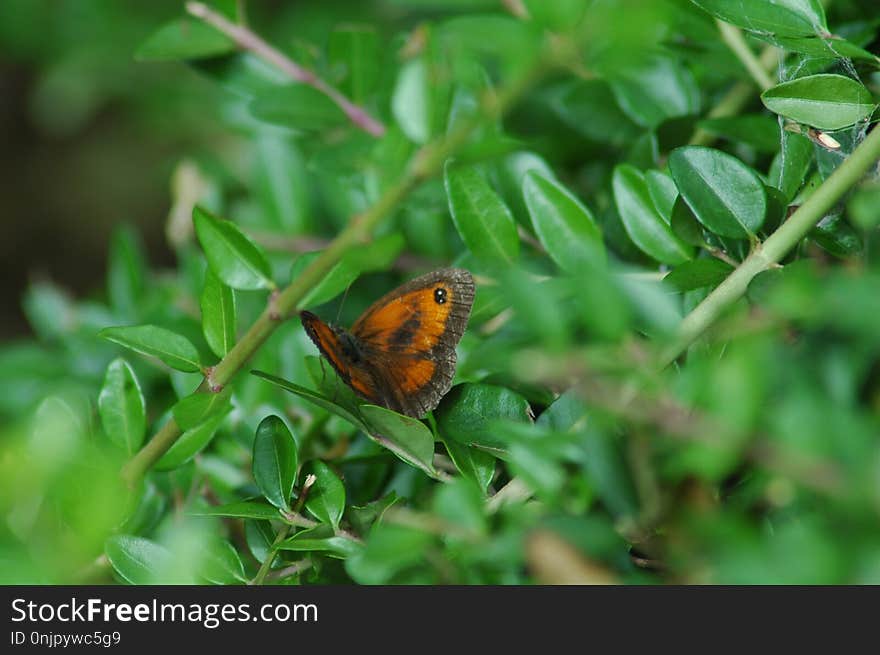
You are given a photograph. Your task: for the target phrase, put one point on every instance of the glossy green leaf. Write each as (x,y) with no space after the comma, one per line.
(193,441)
(377,255)
(655,91)
(218,314)
(282,181)
(698,273)
(468,412)
(303,541)
(122,407)
(135,559)
(685,225)
(198,407)
(173,349)
(221,564)
(726,196)
(663,193)
(564,225)
(792,165)
(326,499)
(782,17)
(836,236)
(474,464)
(643,223)
(483,221)
(234,258)
(184,38)
(345,412)
(275,461)
(825,101)
(244,509)
(298,106)
(406,437)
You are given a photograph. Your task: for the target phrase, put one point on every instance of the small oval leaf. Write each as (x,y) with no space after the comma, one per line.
(825,101)
(482,219)
(122,407)
(326,499)
(726,196)
(234,258)
(406,437)
(175,350)
(642,221)
(565,227)
(218,314)
(275,461)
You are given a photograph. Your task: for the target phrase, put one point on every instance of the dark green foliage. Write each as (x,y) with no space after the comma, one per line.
(570,162)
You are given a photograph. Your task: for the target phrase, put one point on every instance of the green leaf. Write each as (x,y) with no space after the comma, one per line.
(338,546)
(836,236)
(468,412)
(565,227)
(198,407)
(221,564)
(406,437)
(411,101)
(474,464)
(192,441)
(793,164)
(122,407)
(483,221)
(275,461)
(663,193)
(326,499)
(184,38)
(173,349)
(643,223)
(685,225)
(558,15)
(864,207)
(244,509)
(126,272)
(781,17)
(316,398)
(375,256)
(218,314)
(725,195)
(825,101)
(298,106)
(655,91)
(135,559)
(699,273)
(234,258)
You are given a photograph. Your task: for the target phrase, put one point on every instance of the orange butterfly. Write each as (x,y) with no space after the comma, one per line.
(401,352)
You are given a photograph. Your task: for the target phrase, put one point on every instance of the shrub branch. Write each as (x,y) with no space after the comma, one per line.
(769,253)
(248,40)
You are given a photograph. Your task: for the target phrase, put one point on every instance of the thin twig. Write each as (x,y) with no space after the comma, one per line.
(248,40)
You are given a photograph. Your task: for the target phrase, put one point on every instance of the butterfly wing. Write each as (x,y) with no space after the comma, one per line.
(409,336)
(336,346)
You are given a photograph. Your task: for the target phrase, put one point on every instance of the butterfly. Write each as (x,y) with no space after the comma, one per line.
(400,353)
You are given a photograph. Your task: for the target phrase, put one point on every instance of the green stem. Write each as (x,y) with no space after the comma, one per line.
(733,37)
(426,163)
(282,533)
(768,254)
